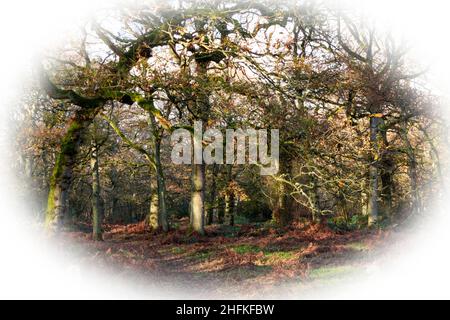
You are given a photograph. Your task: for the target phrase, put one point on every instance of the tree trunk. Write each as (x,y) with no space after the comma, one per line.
(158,210)
(212,207)
(197,198)
(229,208)
(282,211)
(416,204)
(220,210)
(412,171)
(373,171)
(202,109)
(97,213)
(61,178)
(316,215)
(387,186)
(364,197)
(114,213)
(235,208)
(386,175)
(161,185)
(153,217)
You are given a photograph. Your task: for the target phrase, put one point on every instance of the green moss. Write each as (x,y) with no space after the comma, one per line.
(280,255)
(68,150)
(202,255)
(357,246)
(177,250)
(270,253)
(68,144)
(329,272)
(50,213)
(57,170)
(275,258)
(246,248)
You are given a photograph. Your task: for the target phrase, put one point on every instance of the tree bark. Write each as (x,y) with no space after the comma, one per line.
(229,208)
(97,214)
(412,171)
(198,198)
(220,210)
(316,215)
(212,207)
(157,216)
(161,186)
(282,214)
(61,178)
(282,211)
(373,172)
(153,217)
(364,197)
(386,175)
(235,209)
(387,186)
(202,109)
(416,204)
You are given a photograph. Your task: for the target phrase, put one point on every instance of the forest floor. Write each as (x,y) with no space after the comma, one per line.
(250,258)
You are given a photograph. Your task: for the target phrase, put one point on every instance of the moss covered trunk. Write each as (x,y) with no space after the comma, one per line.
(61,178)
